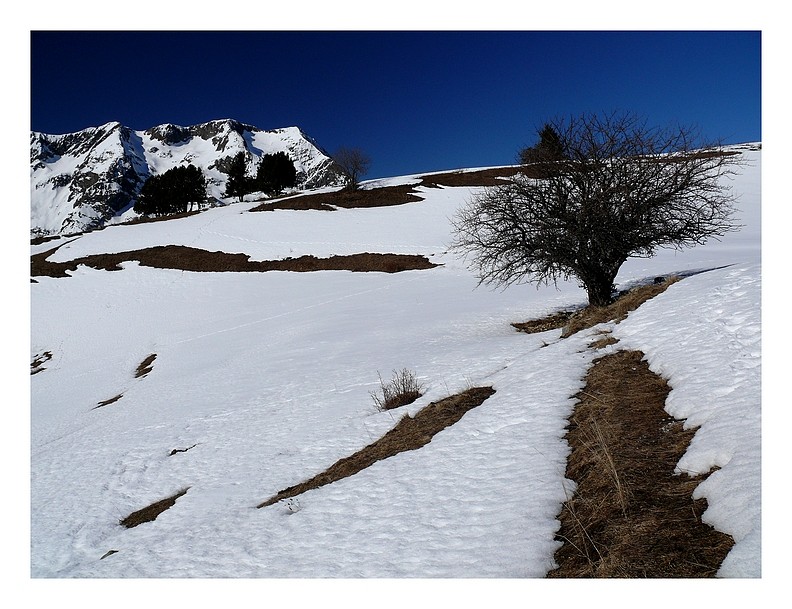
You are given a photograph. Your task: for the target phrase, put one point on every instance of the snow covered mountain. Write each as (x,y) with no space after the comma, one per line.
(80,181)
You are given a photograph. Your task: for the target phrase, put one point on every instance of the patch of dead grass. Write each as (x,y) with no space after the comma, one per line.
(37,365)
(551,322)
(347,199)
(109,401)
(483,177)
(150,512)
(145,366)
(180,257)
(391,195)
(631,516)
(410,433)
(618,309)
(574,321)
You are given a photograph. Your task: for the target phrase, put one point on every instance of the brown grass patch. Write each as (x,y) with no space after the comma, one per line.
(37,365)
(605,339)
(176,451)
(410,433)
(180,257)
(391,195)
(631,516)
(588,317)
(150,512)
(108,402)
(551,322)
(348,199)
(145,366)
(618,309)
(403,389)
(483,177)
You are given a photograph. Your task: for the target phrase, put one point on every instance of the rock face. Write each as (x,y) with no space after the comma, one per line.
(80,181)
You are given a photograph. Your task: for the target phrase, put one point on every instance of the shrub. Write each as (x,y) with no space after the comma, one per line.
(402,389)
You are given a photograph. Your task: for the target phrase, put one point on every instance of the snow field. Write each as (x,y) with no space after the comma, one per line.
(265,378)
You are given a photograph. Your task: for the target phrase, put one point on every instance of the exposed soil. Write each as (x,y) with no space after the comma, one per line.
(145,366)
(180,257)
(483,177)
(37,365)
(110,401)
(150,513)
(631,516)
(588,317)
(176,451)
(551,322)
(391,195)
(410,433)
(328,201)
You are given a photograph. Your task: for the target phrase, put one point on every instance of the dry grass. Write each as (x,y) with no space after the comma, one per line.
(185,258)
(37,365)
(551,322)
(483,177)
(176,451)
(108,402)
(403,388)
(150,512)
(588,317)
(390,195)
(630,515)
(618,309)
(329,201)
(145,366)
(410,433)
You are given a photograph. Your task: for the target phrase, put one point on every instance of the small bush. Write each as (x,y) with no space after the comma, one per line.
(402,389)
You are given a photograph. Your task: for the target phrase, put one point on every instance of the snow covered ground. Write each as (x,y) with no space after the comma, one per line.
(265,379)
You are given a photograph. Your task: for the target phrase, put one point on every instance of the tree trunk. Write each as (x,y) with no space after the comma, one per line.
(599,287)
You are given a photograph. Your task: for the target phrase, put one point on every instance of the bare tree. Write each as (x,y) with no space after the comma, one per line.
(354,164)
(619,189)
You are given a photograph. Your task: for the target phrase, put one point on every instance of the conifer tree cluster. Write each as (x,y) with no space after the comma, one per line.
(275,173)
(174,191)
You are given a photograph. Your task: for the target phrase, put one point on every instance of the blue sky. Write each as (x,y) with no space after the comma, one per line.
(415,101)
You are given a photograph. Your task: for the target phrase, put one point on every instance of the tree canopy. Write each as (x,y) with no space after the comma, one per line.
(354,164)
(238,184)
(275,173)
(617,189)
(173,191)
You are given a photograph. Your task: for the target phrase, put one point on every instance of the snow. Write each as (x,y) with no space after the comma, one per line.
(266,379)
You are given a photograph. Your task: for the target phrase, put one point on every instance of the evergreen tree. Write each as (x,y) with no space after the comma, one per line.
(174,191)
(548,150)
(275,173)
(238,184)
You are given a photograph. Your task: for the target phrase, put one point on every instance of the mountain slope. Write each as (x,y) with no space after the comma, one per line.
(79,181)
(251,383)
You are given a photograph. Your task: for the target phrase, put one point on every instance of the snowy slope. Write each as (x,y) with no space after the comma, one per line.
(262,380)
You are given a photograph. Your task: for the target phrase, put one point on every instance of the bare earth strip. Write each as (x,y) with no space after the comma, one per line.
(631,516)
(150,512)
(410,433)
(184,258)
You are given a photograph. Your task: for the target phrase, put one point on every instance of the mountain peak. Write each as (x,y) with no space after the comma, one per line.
(81,180)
